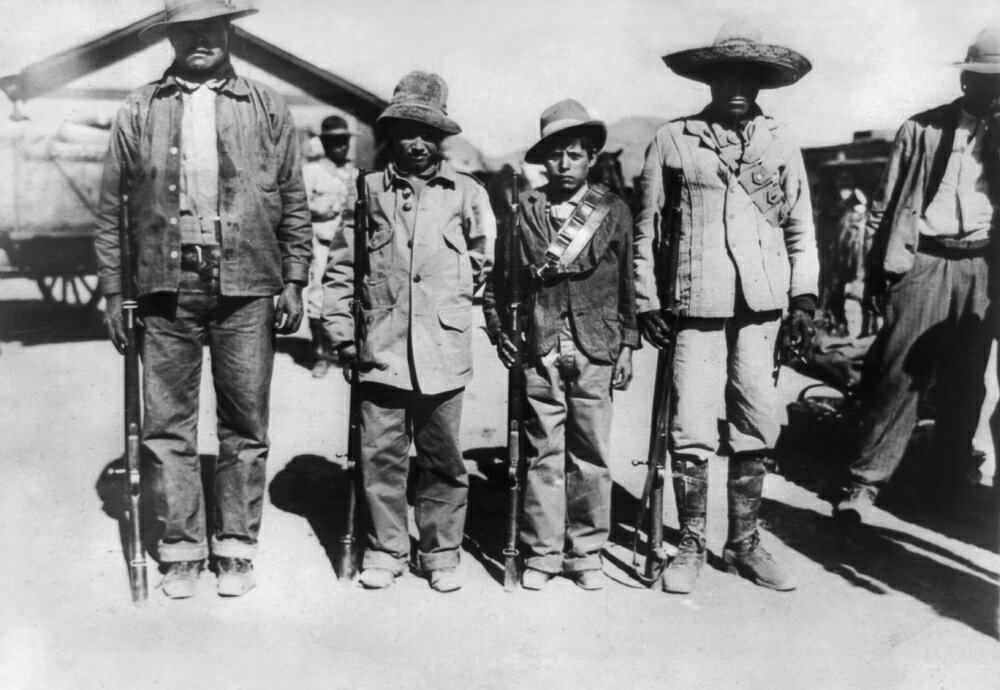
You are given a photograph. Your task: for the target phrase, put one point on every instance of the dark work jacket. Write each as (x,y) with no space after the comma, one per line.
(597,291)
(266,234)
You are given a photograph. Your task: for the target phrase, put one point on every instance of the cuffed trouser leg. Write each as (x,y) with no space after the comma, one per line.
(934,312)
(241,343)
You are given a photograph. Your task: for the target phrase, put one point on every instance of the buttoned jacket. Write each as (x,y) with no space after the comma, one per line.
(265,229)
(596,292)
(427,255)
(727,246)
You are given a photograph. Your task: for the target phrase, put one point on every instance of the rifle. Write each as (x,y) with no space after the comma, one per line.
(515,390)
(651,502)
(347,559)
(133,410)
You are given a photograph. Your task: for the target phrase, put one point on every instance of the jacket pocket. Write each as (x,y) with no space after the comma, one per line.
(456,339)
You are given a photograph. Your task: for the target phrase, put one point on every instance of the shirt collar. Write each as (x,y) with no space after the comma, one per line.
(226,81)
(444,173)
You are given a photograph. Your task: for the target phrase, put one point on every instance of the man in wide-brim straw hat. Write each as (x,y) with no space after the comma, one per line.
(932,224)
(724,243)
(220,227)
(430,247)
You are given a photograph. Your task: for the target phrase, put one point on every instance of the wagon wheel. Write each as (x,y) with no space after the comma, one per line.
(73,289)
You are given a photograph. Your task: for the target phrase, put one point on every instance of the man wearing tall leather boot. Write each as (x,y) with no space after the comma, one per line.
(220,227)
(746,250)
(932,225)
(330,187)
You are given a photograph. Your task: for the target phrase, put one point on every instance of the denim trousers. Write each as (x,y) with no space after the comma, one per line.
(392,419)
(935,341)
(239,335)
(725,365)
(567,496)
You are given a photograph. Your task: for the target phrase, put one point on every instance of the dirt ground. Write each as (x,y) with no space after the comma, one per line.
(909,602)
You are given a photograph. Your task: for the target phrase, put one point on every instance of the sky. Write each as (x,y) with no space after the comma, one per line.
(874,62)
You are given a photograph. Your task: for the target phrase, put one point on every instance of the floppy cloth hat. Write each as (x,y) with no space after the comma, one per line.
(741,43)
(177,11)
(984,53)
(566,116)
(421,97)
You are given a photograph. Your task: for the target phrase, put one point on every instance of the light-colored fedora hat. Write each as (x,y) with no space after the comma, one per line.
(740,42)
(984,53)
(421,97)
(564,117)
(178,11)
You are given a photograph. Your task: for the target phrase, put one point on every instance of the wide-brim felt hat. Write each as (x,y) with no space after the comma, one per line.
(740,43)
(566,118)
(180,11)
(984,53)
(420,97)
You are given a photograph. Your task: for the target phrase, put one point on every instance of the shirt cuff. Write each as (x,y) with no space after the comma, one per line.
(630,337)
(111,284)
(295,272)
(806,303)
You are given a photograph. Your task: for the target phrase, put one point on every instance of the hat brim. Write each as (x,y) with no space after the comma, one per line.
(978,67)
(418,113)
(782,66)
(594,129)
(336,133)
(158,31)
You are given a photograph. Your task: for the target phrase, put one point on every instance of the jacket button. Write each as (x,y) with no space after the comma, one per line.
(173,150)
(407,206)
(173,221)
(416,279)
(173,255)
(407,193)
(172,188)
(409,243)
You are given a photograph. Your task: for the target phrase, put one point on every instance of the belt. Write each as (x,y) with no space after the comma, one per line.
(203,259)
(952,247)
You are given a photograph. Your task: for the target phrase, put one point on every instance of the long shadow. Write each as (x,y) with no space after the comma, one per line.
(34,322)
(315,488)
(879,559)
(112,489)
(297,348)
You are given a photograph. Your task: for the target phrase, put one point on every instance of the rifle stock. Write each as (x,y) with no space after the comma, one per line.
(515,392)
(347,558)
(138,581)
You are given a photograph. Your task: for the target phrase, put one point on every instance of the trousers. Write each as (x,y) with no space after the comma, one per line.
(935,340)
(239,335)
(392,419)
(567,497)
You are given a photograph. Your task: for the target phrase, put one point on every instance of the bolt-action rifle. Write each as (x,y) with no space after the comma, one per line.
(347,558)
(515,386)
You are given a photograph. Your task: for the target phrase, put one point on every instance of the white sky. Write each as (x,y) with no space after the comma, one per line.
(874,62)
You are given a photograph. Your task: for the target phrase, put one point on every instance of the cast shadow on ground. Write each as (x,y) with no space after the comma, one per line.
(35,322)
(299,349)
(878,559)
(112,489)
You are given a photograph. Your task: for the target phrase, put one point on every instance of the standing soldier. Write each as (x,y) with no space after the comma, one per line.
(330,187)
(742,232)
(931,225)
(430,246)
(576,242)
(211,165)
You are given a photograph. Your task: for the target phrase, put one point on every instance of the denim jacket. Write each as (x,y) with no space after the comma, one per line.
(427,255)
(597,292)
(265,228)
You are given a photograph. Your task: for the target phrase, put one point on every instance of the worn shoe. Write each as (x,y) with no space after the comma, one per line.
(857,505)
(749,559)
(181,579)
(376,578)
(535,579)
(235,577)
(680,576)
(588,579)
(445,580)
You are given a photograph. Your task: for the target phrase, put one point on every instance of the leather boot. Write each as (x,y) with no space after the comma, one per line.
(743,553)
(690,478)
(320,356)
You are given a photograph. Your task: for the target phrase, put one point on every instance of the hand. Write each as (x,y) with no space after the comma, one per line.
(796,334)
(622,375)
(347,354)
(654,328)
(506,350)
(288,314)
(114,323)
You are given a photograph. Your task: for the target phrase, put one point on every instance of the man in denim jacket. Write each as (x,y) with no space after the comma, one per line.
(581,333)
(430,247)
(219,226)
(725,192)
